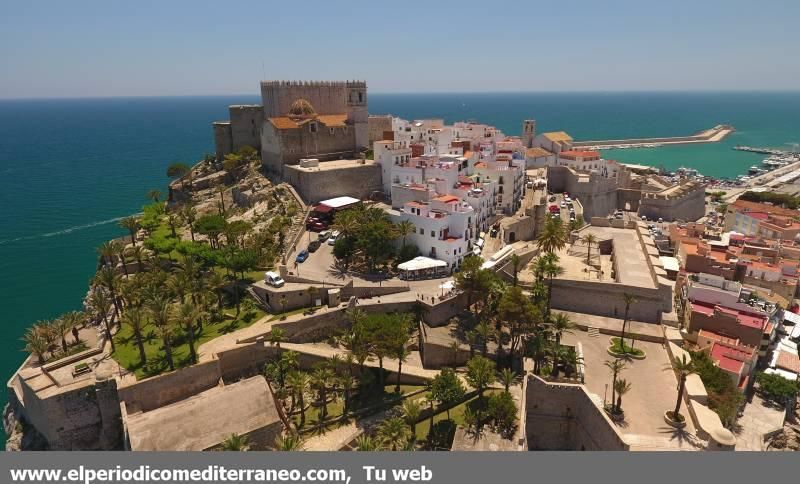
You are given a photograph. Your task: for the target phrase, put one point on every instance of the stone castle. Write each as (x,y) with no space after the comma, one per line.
(323,120)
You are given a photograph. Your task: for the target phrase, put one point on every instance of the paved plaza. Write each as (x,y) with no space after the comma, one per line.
(653,391)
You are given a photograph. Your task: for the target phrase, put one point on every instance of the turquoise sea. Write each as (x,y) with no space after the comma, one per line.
(69,169)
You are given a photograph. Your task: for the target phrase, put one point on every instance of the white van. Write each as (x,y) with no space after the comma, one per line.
(273,279)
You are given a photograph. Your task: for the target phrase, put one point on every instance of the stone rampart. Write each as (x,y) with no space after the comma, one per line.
(355,180)
(563,417)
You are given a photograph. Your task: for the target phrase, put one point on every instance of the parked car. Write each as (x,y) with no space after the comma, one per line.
(552,199)
(314,245)
(316,224)
(333,237)
(273,279)
(563,204)
(324,235)
(301,256)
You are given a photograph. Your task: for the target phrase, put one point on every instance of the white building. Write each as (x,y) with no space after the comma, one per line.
(589,160)
(444,228)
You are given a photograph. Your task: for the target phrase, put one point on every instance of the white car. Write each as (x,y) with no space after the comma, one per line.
(563,204)
(333,237)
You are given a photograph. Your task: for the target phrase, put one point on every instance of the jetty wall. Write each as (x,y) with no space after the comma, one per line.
(704,136)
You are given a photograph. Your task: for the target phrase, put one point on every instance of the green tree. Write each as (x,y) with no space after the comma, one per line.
(404,229)
(508,377)
(186,317)
(616,366)
(621,387)
(412,410)
(211,226)
(154,195)
(519,315)
(553,237)
(235,443)
(480,374)
(132,225)
(502,410)
(589,239)
(516,262)
(133,318)
(300,383)
(276,336)
(447,389)
(35,344)
(777,388)
(101,305)
(683,367)
(177,170)
(629,300)
(393,433)
(365,443)
(289,442)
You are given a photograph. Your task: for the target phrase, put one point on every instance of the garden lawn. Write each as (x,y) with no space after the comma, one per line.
(127,353)
(456,415)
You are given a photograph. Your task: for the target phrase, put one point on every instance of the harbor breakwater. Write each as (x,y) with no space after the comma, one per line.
(713,135)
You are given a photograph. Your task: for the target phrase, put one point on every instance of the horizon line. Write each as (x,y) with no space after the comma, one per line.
(423,92)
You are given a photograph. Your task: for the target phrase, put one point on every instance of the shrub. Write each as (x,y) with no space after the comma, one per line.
(502,411)
(777,388)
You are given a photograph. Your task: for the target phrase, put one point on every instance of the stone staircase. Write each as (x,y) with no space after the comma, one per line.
(593,332)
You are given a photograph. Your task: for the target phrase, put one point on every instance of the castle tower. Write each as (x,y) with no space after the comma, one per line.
(528,132)
(358,113)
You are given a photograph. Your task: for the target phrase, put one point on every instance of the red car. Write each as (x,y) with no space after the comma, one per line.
(316,224)
(554,209)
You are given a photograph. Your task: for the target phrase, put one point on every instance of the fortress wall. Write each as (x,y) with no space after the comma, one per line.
(605,299)
(223,139)
(563,417)
(689,207)
(162,390)
(356,180)
(246,122)
(85,417)
(377,125)
(326,97)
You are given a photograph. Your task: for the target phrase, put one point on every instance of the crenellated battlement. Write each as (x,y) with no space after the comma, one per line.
(276,83)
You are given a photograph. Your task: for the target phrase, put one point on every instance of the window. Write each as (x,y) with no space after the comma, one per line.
(422,231)
(312,127)
(433,234)
(361,97)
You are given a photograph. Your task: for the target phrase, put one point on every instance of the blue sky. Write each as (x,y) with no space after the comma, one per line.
(139,48)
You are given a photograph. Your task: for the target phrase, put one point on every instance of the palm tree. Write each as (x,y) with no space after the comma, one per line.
(35,343)
(101,304)
(319,380)
(300,383)
(72,320)
(472,340)
(276,336)
(365,443)
(629,299)
(216,282)
(133,317)
(393,433)
(188,215)
(235,443)
(515,263)
(291,442)
(480,374)
(553,237)
(560,324)
(138,252)
(508,377)
(110,280)
(454,347)
(404,229)
(411,413)
(121,250)
(622,387)
(107,253)
(60,327)
(166,332)
(401,353)
(552,270)
(684,367)
(485,331)
(132,224)
(589,239)
(154,195)
(186,317)
(616,366)
(311,292)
